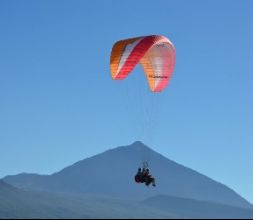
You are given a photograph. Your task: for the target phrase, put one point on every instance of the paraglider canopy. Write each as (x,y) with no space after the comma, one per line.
(155,53)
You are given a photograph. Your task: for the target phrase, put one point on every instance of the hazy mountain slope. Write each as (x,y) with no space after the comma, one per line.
(189,208)
(111,173)
(15,203)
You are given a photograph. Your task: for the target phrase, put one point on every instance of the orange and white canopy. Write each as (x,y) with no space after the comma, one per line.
(155,53)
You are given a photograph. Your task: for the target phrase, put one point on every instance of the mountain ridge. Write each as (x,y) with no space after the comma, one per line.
(111,173)
(17,203)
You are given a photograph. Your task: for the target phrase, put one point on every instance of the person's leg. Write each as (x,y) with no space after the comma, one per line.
(153,182)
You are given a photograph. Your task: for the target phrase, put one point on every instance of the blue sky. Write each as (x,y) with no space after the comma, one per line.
(58,103)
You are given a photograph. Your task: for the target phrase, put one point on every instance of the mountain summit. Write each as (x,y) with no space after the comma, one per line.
(112,174)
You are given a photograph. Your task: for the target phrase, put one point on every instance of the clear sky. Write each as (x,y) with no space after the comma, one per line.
(58,103)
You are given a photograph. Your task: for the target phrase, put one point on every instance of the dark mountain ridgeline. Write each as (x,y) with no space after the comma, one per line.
(111,173)
(17,203)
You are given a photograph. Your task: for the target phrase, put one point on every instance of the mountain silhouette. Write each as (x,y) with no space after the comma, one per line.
(111,173)
(16,203)
(189,208)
